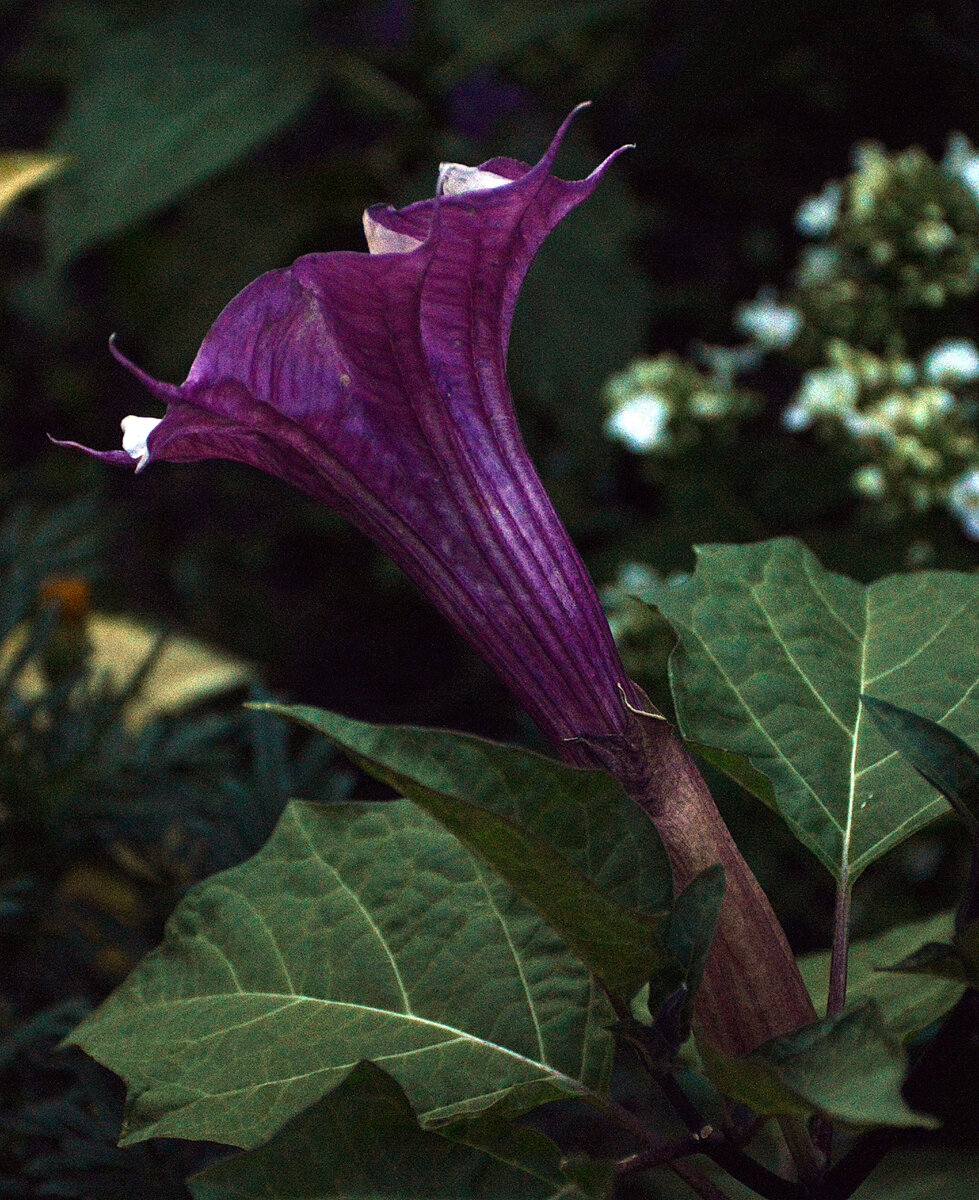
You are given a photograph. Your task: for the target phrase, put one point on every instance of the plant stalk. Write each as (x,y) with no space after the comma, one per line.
(839,956)
(836,995)
(751,991)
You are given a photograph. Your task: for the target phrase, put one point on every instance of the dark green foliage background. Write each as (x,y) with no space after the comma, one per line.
(314,110)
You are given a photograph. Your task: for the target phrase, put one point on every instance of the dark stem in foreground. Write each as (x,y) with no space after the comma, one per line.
(836,994)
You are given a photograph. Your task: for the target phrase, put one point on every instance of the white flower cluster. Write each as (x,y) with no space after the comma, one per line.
(898,235)
(660,405)
(963,501)
(920,447)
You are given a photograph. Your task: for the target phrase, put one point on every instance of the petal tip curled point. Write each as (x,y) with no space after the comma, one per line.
(165,391)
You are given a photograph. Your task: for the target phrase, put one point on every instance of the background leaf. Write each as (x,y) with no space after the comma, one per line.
(908,1004)
(570,842)
(167,104)
(958,960)
(774,654)
(359,931)
(362,1142)
(847,1068)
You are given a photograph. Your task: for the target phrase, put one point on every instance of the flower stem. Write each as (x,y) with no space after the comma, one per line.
(696,1182)
(836,995)
(661,1157)
(702,1139)
(808,1160)
(751,991)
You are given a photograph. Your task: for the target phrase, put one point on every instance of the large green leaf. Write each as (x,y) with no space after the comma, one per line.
(847,1068)
(908,1003)
(359,931)
(167,104)
(570,842)
(774,654)
(363,1142)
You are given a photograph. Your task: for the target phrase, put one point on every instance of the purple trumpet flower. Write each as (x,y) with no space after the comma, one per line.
(377,384)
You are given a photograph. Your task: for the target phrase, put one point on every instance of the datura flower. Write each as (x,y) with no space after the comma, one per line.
(377,384)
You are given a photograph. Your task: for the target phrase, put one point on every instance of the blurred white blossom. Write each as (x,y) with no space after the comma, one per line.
(825,391)
(952,362)
(962,161)
(773,326)
(817,215)
(963,501)
(641,422)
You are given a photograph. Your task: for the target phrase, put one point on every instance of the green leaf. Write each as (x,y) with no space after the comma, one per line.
(847,1068)
(774,654)
(945,761)
(957,960)
(686,938)
(168,104)
(359,931)
(907,1004)
(363,1142)
(569,842)
(661,1011)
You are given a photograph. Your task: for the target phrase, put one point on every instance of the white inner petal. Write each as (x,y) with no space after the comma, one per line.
(381,240)
(135,431)
(456,179)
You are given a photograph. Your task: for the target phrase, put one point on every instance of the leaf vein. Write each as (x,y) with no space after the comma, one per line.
(531,1008)
(364,911)
(764,732)
(922,648)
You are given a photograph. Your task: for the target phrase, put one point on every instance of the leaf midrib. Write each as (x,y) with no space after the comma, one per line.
(288,1001)
(854,747)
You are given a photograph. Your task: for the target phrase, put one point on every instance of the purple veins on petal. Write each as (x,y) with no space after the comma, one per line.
(377,384)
